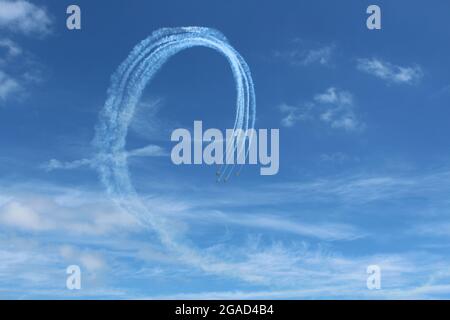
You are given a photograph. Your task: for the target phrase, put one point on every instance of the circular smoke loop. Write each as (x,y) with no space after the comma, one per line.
(124,93)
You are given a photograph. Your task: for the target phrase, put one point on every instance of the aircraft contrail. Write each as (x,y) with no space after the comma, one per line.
(124,93)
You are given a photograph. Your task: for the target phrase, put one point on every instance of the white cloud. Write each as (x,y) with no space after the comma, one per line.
(92,261)
(434,229)
(292,114)
(18,68)
(21,16)
(8,86)
(24,267)
(83,215)
(44,213)
(15,214)
(55,164)
(334,107)
(303,57)
(150,150)
(147,123)
(282,267)
(12,48)
(333,96)
(361,190)
(321,55)
(336,157)
(315,274)
(338,109)
(319,292)
(390,72)
(323,231)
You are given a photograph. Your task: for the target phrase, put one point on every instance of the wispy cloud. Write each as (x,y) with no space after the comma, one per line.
(337,158)
(18,68)
(298,55)
(339,109)
(20,16)
(8,86)
(148,124)
(334,107)
(15,214)
(320,55)
(81,216)
(12,49)
(89,219)
(390,72)
(92,261)
(146,151)
(319,275)
(433,229)
(49,214)
(55,164)
(442,93)
(293,114)
(328,231)
(322,292)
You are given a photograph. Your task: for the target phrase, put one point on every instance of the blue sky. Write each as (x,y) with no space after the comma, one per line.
(364,162)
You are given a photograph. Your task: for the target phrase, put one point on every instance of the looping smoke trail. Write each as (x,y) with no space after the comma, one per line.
(127,85)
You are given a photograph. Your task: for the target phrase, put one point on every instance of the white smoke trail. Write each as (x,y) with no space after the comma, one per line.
(127,85)
(150,150)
